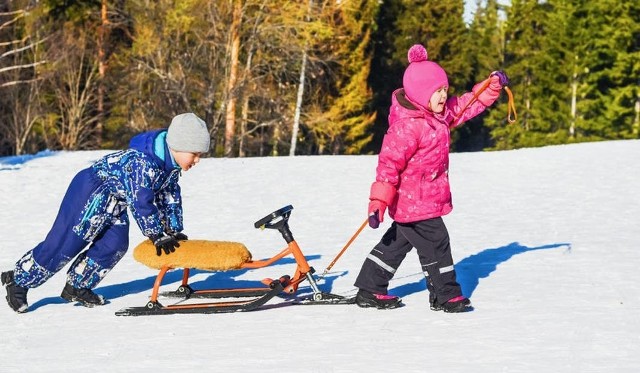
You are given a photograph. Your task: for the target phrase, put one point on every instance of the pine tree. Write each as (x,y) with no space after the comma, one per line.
(485,53)
(574,67)
(538,84)
(439,26)
(344,126)
(610,52)
(386,69)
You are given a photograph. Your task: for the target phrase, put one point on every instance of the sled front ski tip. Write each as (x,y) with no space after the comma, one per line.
(325,298)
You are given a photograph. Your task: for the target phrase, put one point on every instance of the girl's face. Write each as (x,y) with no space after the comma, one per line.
(438,99)
(185,160)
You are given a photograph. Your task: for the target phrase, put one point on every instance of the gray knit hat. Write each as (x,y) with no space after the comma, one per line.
(188,133)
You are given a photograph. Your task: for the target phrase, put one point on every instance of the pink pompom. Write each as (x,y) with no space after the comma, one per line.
(417,53)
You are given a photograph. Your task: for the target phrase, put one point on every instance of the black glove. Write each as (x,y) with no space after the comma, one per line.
(179,236)
(166,243)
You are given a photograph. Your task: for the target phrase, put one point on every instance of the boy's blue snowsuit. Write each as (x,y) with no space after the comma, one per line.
(94,211)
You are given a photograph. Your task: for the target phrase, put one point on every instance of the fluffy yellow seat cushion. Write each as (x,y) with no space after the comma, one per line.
(200,254)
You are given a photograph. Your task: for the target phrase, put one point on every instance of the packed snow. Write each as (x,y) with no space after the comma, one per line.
(546,244)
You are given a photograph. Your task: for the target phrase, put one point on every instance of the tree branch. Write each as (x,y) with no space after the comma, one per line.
(14,51)
(21,66)
(16,82)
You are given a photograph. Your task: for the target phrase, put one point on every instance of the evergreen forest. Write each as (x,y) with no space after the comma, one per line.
(312,77)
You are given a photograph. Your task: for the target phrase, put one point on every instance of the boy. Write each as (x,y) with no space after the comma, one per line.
(93,212)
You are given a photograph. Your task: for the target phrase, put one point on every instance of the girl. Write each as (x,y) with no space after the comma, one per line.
(412,181)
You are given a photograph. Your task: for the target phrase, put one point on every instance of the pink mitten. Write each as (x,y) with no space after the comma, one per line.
(376,213)
(382,195)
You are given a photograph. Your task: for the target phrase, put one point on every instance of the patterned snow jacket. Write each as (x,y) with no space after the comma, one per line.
(414,157)
(139,179)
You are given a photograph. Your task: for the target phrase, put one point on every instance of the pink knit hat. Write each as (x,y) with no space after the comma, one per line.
(422,78)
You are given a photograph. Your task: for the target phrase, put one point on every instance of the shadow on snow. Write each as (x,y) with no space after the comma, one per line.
(471,269)
(215,280)
(13,162)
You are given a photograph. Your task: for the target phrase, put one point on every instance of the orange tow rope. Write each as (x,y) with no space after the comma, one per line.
(475,97)
(364,224)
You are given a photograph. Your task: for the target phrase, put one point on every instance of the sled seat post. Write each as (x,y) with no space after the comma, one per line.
(157,283)
(301,260)
(185,277)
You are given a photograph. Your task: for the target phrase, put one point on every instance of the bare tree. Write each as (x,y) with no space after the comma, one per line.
(177,63)
(20,80)
(73,78)
(24,113)
(17,45)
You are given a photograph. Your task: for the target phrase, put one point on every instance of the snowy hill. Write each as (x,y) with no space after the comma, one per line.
(546,244)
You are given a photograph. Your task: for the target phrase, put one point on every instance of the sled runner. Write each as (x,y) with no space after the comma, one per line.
(224,256)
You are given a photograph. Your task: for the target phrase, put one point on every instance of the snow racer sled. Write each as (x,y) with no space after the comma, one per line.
(224,256)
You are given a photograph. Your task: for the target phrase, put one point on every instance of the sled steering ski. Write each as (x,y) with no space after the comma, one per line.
(223,256)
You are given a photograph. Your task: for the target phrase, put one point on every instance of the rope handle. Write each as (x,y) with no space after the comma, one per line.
(511,106)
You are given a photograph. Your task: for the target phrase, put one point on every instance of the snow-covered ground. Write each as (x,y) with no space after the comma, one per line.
(546,241)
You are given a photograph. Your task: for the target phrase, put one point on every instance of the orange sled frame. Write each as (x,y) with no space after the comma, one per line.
(286,284)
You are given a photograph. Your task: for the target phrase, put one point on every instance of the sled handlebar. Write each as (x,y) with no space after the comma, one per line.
(279,220)
(276,219)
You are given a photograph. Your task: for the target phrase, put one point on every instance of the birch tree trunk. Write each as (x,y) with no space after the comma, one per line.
(245,109)
(296,116)
(102,68)
(298,110)
(574,92)
(234,53)
(636,120)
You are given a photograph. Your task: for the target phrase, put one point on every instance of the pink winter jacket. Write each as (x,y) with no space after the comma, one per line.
(414,157)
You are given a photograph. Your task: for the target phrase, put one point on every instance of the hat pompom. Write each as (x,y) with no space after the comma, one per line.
(417,53)
(422,77)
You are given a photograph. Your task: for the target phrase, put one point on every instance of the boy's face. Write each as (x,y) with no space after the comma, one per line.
(438,99)
(185,160)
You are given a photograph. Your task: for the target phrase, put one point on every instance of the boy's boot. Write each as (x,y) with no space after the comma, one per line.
(379,301)
(16,295)
(86,297)
(454,305)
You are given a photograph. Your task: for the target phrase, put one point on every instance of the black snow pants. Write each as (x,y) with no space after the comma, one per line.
(431,240)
